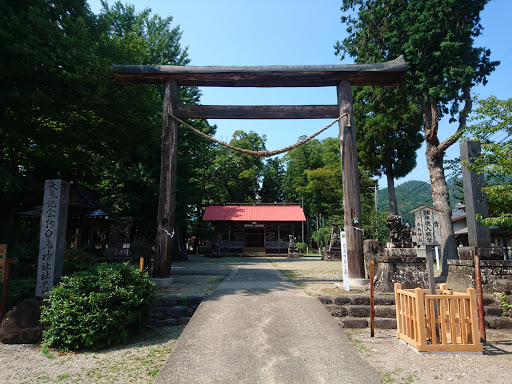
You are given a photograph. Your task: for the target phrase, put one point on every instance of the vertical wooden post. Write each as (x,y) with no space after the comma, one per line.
(430,270)
(372,300)
(168,179)
(479,296)
(78,238)
(350,176)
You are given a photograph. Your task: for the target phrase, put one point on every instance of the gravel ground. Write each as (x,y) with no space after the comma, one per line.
(140,361)
(396,362)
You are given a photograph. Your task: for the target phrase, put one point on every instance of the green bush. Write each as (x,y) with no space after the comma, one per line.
(76,260)
(26,255)
(19,290)
(302,247)
(97,309)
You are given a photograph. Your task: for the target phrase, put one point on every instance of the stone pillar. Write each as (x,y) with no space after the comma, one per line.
(53,236)
(479,236)
(474,196)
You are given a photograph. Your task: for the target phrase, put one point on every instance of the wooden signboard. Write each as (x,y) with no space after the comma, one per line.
(344,258)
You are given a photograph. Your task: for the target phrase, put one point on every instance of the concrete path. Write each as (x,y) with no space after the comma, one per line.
(258,327)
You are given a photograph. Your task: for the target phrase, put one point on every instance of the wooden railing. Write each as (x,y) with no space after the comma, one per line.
(230,244)
(277,244)
(446,321)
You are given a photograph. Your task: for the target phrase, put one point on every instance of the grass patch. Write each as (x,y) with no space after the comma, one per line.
(398,376)
(361,347)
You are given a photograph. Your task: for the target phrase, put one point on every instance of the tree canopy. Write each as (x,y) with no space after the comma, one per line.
(436,38)
(493,127)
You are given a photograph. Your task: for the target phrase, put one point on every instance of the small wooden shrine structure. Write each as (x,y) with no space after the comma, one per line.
(390,73)
(254,229)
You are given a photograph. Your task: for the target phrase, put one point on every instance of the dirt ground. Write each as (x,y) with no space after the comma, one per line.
(140,361)
(396,362)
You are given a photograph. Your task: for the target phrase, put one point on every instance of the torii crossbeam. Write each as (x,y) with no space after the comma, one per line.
(391,73)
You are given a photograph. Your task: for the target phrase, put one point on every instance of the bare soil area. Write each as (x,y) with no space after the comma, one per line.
(137,362)
(396,362)
(140,361)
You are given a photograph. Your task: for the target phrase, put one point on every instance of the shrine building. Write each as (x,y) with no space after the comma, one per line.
(254,229)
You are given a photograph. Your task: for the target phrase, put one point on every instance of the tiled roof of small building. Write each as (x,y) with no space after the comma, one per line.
(254,212)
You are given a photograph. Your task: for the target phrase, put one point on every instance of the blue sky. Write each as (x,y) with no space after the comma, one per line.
(297,32)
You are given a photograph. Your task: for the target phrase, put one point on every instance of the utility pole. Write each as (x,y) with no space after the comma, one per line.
(303,240)
(376,201)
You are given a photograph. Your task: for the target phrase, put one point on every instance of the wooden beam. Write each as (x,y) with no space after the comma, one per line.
(258,112)
(350,179)
(388,73)
(168,179)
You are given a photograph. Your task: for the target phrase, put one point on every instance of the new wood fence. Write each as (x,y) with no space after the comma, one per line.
(446,321)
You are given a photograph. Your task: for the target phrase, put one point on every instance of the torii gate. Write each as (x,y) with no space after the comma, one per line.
(391,73)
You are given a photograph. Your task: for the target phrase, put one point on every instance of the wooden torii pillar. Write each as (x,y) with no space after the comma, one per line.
(391,73)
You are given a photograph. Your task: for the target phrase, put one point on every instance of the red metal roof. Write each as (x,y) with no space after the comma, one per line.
(257,212)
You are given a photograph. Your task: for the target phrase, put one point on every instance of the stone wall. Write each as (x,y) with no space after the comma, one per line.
(496,275)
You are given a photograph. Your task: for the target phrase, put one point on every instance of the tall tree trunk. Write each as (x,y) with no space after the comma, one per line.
(391,194)
(440,196)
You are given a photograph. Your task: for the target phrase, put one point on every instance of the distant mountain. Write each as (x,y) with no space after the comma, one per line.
(409,195)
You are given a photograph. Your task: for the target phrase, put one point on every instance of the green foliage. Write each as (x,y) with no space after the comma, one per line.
(322,237)
(388,130)
(236,174)
(272,184)
(26,254)
(436,39)
(97,309)
(507,308)
(493,127)
(302,247)
(410,195)
(19,290)
(64,117)
(435,36)
(76,260)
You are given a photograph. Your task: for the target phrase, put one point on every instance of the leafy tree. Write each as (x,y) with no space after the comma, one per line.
(49,69)
(272,185)
(237,174)
(387,128)
(436,38)
(297,160)
(313,173)
(494,116)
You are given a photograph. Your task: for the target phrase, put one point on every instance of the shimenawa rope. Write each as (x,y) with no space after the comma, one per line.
(259,153)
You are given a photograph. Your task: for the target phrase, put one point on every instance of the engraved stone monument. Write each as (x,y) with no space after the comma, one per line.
(53,235)
(495,271)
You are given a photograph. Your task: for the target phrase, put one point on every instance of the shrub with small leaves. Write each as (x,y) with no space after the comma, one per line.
(97,309)
(302,247)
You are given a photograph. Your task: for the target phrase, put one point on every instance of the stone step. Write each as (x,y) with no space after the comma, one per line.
(493,310)
(350,315)
(386,311)
(357,300)
(498,322)
(363,322)
(173,310)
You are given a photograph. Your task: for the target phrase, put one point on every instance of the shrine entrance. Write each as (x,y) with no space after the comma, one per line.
(391,73)
(254,238)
